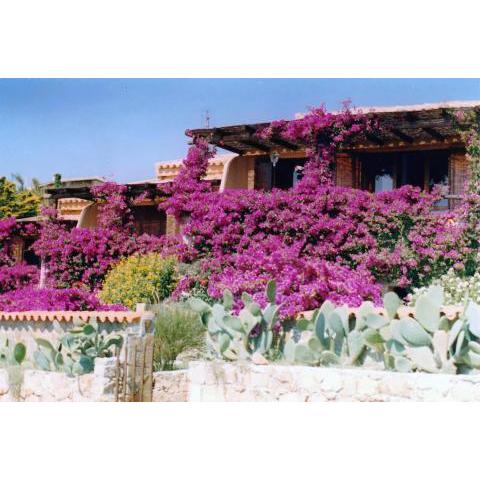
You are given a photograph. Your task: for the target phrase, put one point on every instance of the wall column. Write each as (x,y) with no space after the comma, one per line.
(237,173)
(173,228)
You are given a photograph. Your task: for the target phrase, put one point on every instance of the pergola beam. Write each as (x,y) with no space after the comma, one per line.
(434,133)
(251,142)
(283,143)
(374,138)
(236,150)
(401,135)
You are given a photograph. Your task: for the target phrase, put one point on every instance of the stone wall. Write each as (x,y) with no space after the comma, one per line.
(214,381)
(41,386)
(218,382)
(170,386)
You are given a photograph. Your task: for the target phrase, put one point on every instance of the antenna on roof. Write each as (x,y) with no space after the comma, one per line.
(207,118)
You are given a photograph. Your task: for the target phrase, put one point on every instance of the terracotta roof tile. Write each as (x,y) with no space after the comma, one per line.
(218,160)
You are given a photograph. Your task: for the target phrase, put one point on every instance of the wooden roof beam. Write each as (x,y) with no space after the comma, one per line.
(401,135)
(248,137)
(434,133)
(251,142)
(283,143)
(374,138)
(411,116)
(236,150)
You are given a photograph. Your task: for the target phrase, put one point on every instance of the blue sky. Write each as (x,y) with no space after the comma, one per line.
(118,128)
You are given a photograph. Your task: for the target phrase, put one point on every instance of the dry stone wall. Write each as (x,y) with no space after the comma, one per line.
(235,382)
(170,386)
(218,382)
(42,386)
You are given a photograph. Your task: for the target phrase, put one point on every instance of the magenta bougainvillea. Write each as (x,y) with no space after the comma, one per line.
(12,275)
(311,243)
(49,299)
(18,276)
(188,189)
(317,240)
(10,230)
(323,133)
(81,257)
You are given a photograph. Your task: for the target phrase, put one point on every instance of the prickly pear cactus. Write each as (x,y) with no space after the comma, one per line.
(239,337)
(424,341)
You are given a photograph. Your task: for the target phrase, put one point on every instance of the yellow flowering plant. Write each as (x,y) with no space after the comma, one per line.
(140,279)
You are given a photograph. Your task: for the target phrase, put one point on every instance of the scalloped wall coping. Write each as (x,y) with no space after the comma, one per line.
(68,316)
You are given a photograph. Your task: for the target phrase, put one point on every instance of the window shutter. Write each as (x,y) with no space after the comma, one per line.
(344,170)
(459,175)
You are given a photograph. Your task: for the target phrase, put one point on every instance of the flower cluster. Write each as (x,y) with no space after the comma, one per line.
(81,257)
(456,288)
(48,299)
(10,230)
(14,276)
(247,237)
(187,188)
(318,241)
(323,133)
(114,212)
(18,276)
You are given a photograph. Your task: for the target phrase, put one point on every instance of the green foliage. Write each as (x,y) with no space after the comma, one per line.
(17,202)
(335,335)
(12,354)
(456,288)
(197,280)
(57,180)
(426,341)
(177,330)
(12,358)
(140,279)
(239,337)
(77,349)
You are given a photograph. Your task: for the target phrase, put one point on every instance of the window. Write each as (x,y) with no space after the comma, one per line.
(380,172)
(285,175)
(148,219)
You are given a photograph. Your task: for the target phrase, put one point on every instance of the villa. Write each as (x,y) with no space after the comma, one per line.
(418,145)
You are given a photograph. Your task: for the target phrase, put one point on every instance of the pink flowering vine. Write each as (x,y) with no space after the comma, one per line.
(48,299)
(323,133)
(316,240)
(188,186)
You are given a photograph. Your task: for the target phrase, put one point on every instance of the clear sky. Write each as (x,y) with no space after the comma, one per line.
(119,128)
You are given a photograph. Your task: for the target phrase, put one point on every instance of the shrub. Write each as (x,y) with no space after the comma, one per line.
(10,229)
(50,299)
(318,240)
(140,279)
(177,330)
(17,276)
(84,256)
(457,289)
